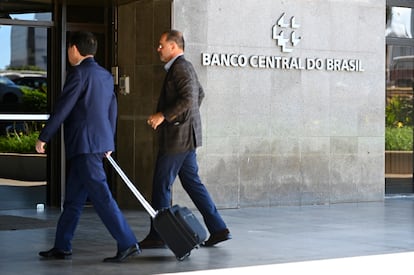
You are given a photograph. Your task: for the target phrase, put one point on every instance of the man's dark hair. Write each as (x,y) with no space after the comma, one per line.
(176,36)
(85,42)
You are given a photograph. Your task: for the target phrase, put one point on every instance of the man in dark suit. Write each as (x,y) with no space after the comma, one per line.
(179,127)
(87,107)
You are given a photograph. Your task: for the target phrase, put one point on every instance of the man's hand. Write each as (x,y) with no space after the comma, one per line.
(107,154)
(40,146)
(155,120)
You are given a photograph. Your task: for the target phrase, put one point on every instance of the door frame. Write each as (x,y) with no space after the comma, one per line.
(57,62)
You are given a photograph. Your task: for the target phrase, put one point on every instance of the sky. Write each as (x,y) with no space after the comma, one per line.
(5,46)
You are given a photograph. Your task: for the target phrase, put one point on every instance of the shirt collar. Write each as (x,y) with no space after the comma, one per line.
(80,61)
(168,65)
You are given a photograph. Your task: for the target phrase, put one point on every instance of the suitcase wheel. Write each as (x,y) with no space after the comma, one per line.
(183,257)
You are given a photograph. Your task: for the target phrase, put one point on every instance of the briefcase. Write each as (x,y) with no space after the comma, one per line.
(177,226)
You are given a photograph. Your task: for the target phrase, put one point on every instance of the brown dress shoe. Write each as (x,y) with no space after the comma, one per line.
(217,237)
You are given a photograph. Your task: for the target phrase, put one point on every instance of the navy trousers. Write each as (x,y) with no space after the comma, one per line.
(87,178)
(167,167)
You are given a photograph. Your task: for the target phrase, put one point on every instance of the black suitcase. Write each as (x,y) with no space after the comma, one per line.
(177,226)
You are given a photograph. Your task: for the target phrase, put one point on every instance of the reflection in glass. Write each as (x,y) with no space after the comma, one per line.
(400,22)
(23,61)
(23,91)
(23,85)
(399,118)
(45,16)
(400,67)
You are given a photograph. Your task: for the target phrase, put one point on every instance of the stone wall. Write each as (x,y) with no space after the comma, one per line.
(289,136)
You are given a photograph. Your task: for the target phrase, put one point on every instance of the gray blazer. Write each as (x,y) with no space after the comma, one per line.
(179,101)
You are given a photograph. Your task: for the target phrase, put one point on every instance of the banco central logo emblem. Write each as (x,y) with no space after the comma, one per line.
(280,33)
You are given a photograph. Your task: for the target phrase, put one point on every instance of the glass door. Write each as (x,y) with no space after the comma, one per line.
(24,84)
(399,110)
(32,70)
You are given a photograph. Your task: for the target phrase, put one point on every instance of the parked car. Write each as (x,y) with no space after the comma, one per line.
(33,81)
(10,93)
(402,71)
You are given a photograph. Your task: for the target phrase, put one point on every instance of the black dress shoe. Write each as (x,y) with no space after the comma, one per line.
(123,255)
(56,253)
(149,242)
(217,237)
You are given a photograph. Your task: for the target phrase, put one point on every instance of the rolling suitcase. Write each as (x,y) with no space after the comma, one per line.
(176,225)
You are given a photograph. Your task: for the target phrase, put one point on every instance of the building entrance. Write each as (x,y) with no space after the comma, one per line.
(24,86)
(32,71)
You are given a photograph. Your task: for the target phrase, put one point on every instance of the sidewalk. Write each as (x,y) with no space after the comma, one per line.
(263,238)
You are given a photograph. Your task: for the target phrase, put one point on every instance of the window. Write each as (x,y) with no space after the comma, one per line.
(399,112)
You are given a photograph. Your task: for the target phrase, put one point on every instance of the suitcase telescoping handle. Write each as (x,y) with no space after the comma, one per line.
(134,190)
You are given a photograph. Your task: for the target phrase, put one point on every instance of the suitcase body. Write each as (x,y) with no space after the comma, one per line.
(176,225)
(180,230)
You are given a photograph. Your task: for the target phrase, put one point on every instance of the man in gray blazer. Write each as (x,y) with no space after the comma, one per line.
(178,123)
(87,107)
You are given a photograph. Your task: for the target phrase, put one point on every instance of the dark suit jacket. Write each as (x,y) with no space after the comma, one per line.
(87,107)
(179,101)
